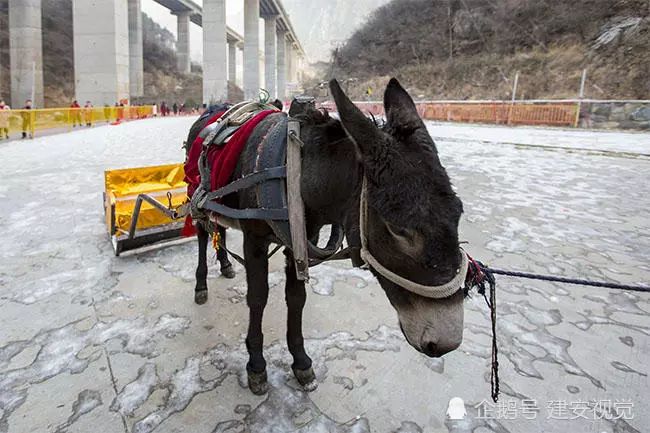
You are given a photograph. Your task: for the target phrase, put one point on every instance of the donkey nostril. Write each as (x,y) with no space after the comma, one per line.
(429,349)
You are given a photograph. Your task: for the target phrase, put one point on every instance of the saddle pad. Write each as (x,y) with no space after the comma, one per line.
(192,174)
(222,159)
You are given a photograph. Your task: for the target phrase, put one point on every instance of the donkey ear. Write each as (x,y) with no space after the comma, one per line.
(399,107)
(362,131)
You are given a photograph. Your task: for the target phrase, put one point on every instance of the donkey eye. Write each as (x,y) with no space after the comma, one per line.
(398,231)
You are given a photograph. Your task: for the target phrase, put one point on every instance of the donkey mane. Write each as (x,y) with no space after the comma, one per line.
(315,116)
(324,129)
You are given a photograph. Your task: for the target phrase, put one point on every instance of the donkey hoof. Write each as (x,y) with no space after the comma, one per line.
(201,296)
(257,382)
(228,271)
(306,378)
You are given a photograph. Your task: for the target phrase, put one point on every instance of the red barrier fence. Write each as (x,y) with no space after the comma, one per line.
(517,113)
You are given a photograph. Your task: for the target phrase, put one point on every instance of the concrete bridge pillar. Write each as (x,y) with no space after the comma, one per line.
(299,66)
(25,52)
(136,68)
(270,58)
(282,63)
(215,72)
(290,61)
(183,42)
(232,62)
(251,48)
(294,65)
(101,51)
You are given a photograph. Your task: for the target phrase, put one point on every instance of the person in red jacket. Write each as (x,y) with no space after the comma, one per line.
(75,113)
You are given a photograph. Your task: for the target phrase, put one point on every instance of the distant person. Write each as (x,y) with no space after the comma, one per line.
(163,109)
(75,113)
(88,114)
(28,119)
(175,108)
(4,119)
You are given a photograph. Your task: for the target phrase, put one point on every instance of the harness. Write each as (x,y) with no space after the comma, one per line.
(276,179)
(435,292)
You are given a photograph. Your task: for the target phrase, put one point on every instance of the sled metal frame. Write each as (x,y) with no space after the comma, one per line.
(138,238)
(125,235)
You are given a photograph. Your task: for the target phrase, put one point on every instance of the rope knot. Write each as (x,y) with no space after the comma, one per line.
(479,276)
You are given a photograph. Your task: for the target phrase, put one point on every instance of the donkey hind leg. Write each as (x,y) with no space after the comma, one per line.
(201,288)
(295,297)
(257,272)
(222,255)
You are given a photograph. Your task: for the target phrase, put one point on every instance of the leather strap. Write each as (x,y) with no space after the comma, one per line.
(343,254)
(246,214)
(248,181)
(221,138)
(435,292)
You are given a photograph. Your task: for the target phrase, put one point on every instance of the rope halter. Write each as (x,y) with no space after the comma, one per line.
(435,292)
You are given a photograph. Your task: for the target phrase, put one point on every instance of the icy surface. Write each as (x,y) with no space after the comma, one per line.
(92,341)
(601,141)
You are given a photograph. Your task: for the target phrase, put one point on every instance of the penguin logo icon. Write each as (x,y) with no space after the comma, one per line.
(456,409)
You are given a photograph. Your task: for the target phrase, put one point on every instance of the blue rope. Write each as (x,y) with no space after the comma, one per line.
(577,281)
(482,277)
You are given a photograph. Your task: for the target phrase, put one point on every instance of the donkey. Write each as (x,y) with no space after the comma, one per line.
(410,223)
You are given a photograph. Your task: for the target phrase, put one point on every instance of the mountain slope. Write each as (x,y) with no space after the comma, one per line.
(461,49)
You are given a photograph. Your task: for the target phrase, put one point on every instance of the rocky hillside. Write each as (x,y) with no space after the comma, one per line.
(471,49)
(161,81)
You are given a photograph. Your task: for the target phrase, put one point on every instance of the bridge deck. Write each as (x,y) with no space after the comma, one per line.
(267,7)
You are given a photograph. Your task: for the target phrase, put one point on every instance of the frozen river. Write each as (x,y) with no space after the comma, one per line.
(91,342)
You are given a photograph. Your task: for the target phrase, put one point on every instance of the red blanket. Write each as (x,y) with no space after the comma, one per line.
(222,160)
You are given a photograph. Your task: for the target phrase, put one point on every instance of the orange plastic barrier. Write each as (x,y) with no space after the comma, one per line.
(563,114)
(517,113)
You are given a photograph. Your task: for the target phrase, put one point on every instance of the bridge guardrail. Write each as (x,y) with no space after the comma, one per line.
(31,121)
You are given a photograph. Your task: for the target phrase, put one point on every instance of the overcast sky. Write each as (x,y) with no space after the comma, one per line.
(234,18)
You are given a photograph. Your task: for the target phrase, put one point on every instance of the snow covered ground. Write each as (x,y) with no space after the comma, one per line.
(90,342)
(577,139)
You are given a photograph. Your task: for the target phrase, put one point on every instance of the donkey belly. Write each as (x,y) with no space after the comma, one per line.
(230,223)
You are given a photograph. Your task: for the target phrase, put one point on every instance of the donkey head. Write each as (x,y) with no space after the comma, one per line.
(412,217)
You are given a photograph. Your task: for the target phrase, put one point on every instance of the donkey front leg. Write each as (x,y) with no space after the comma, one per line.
(295,297)
(257,271)
(201,288)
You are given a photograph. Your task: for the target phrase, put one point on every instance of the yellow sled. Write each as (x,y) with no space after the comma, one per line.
(144,205)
